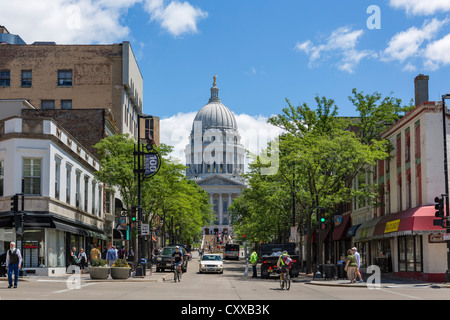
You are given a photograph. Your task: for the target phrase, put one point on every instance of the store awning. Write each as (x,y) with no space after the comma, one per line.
(417,220)
(340,232)
(365,230)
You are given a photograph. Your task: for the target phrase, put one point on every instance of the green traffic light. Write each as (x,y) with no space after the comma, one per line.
(322,219)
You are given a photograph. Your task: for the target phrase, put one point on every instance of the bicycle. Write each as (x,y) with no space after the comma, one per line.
(286,282)
(177,272)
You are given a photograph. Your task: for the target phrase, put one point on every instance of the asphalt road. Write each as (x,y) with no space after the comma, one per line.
(232,285)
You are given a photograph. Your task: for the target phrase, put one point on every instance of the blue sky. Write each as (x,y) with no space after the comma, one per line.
(262,51)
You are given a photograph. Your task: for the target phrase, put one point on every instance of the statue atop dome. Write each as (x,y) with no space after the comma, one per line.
(214,83)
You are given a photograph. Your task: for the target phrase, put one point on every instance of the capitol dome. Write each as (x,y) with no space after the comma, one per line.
(216,115)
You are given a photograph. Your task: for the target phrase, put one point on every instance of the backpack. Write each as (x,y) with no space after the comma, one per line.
(287,260)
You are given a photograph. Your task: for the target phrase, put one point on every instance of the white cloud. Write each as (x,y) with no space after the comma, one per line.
(418,44)
(437,53)
(66,21)
(254,130)
(341,44)
(91,21)
(176,17)
(406,44)
(422,7)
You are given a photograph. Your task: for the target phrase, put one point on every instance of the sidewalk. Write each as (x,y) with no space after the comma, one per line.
(151,276)
(386,281)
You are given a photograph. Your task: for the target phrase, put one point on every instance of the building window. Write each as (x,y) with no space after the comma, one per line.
(5,78)
(2,176)
(32,176)
(407,146)
(48,104)
(100,193)
(93,198)
(108,202)
(77,191)
(399,151)
(66,104)
(65,78)
(26,78)
(417,138)
(57,177)
(68,182)
(86,193)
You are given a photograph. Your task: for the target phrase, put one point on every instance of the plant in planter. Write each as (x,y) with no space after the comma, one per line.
(99,269)
(120,269)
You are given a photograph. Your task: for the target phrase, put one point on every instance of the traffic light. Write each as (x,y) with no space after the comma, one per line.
(322,220)
(133,217)
(439,206)
(15,203)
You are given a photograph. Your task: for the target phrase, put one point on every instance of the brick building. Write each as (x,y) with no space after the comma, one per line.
(52,76)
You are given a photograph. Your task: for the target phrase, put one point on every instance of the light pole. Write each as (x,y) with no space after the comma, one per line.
(444,130)
(146,168)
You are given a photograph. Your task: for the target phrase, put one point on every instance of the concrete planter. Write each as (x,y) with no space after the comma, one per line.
(99,273)
(120,272)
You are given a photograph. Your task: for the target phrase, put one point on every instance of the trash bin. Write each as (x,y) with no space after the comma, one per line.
(328,271)
(341,274)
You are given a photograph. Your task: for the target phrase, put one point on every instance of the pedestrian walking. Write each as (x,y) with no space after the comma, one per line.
(95,254)
(74,257)
(358,262)
(111,255)
(254,262)
(13,264)
(350,266)
(82,260)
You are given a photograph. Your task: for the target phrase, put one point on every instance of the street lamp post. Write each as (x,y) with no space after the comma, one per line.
(447,208)
(146,167)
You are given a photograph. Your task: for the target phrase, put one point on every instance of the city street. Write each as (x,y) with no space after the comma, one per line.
(232,285)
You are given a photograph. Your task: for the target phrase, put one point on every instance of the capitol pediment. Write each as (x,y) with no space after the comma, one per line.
(217,180)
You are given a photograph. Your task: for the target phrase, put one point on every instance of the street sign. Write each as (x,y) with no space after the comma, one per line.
(145,229)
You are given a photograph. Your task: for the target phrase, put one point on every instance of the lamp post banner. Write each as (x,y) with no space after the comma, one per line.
(152,163)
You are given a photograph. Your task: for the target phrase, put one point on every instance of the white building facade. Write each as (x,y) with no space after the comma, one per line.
(215,159)
(63,200)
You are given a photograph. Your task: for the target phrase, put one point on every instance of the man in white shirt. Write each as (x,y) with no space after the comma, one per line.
(358,261)
(13,263)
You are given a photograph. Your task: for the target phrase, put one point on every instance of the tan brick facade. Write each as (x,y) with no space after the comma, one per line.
(96,75)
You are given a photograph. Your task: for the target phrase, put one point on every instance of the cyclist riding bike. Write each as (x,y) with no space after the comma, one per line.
(282,265)
(177,259)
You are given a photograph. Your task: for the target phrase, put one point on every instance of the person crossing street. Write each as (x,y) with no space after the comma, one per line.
(13,264)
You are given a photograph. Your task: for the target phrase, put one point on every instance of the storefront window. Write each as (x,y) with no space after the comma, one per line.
(410,253)
(56,256)
(33,248)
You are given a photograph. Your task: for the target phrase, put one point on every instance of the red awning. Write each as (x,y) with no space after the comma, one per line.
(412,221)
(340,232)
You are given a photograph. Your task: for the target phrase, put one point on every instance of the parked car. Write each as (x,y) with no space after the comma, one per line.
(164,258)
(211,263)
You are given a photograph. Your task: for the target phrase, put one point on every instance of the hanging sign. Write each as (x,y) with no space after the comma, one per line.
(152,163)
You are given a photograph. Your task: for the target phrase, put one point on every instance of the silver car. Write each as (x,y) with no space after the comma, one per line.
(211,263)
